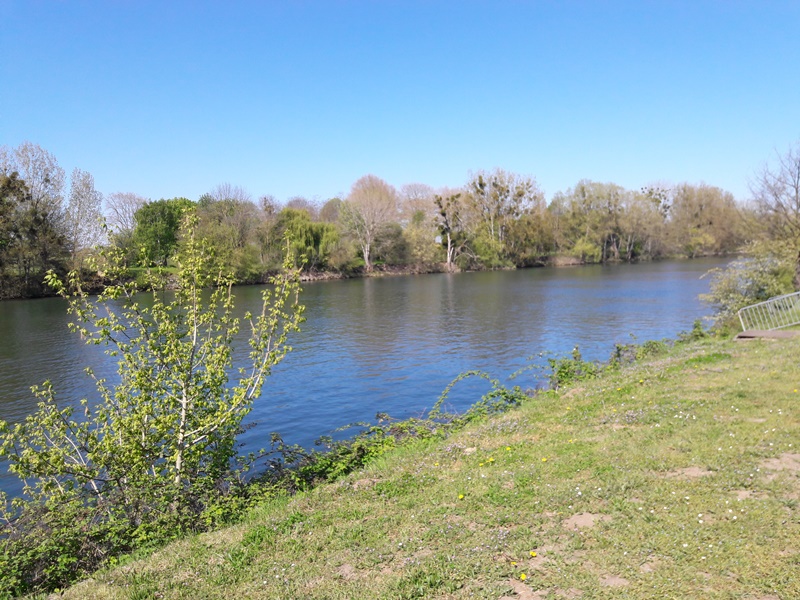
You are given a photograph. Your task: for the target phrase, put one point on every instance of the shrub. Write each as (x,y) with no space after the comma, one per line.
(150,456)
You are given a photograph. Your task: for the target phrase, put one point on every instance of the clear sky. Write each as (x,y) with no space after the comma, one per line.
(302,97)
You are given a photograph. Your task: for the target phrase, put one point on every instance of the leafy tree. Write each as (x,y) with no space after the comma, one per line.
(371,204)
(230,226)
(152,454)
(312,240)
(704,220)
(330,210)
(34,229)
(156,233)
(496,200)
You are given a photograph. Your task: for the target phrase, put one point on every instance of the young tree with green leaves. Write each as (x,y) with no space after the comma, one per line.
(154,452)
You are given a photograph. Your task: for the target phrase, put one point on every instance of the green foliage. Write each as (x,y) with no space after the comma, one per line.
(766,271)
(568,370)
(695,333)
(156,234)
(151,455)
(30,241)
(313,240)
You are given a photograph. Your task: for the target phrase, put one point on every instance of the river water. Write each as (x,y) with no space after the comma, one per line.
(389,344)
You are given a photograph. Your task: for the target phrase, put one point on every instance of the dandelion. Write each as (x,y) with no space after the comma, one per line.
(523,577)
(544,459)
(533,554)
(461,496)
(508,448)
(513,563)
(491,459)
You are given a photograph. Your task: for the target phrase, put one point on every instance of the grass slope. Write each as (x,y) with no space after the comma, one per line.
(676,478)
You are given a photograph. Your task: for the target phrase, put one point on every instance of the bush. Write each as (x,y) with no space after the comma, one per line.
(764,272)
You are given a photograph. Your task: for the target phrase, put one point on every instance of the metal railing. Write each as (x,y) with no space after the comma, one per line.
(775,313)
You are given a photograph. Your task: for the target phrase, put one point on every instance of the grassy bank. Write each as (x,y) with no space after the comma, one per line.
(674,478)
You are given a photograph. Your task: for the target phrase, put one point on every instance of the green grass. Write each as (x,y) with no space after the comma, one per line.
(674,478)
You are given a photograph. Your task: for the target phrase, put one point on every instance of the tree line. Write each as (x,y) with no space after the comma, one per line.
(497,219)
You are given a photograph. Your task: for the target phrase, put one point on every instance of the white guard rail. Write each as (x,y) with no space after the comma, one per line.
(775,313)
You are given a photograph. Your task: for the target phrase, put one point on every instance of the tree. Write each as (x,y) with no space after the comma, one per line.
(301,203)
(152,453)
(35,240)
(83,218)
(311,240)
(156,233)
(776,191)
(497,199)
(450,205)
(42,175)
(371,204)
(121,210)
(329,212)
(704,220)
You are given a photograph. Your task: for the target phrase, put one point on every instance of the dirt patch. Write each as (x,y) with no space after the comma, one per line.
(524,592)
(346,571)
(649,566)
(614,581)
(570,594)
(743,494)
(361,484)
(689,473)
(784,462)
(584,520)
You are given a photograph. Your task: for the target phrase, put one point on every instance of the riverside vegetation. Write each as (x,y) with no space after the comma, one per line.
(677,475)
(497,219)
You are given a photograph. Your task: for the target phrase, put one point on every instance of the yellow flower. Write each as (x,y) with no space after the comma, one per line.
(491,459)
(523,577)
(533,554)
(544,459)
(480,465)
(513,563)
(435,464)
(461,496)
(509,447)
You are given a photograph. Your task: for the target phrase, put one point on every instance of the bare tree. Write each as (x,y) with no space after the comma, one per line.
(227,191)
(776,191)
(120,210)
(372,203)
(42,175)
(416,198)
(83,215)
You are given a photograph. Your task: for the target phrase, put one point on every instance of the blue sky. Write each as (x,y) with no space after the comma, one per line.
(293,97)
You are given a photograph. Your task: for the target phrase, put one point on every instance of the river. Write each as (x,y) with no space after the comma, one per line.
(389,344)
